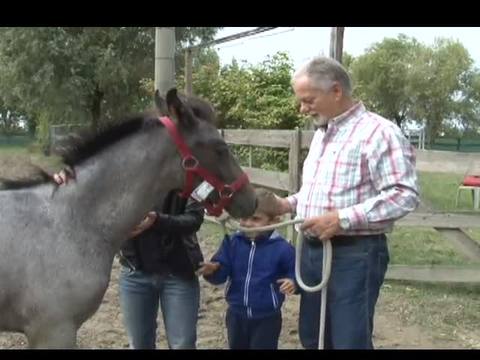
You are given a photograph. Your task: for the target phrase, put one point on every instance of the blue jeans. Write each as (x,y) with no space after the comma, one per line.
(359,265)
(140,295)
(244,333)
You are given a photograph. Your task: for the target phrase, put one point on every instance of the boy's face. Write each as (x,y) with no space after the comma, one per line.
(256,220)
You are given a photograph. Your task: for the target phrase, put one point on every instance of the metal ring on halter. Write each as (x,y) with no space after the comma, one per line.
(227,192)
(186,160)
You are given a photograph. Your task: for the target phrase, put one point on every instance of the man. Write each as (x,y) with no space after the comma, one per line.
(358,178)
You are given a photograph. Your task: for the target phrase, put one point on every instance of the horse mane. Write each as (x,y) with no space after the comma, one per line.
(82,148)
(91,145)
(88,145)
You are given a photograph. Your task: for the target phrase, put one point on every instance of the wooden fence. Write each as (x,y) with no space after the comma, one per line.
(451,226)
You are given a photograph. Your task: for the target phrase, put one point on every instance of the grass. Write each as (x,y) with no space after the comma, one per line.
(474,234)
(440,189)
(19,161)
(447,311)
(417,246)
(12,150)
(407,245)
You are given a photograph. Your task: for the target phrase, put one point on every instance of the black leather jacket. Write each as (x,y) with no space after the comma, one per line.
(170,245)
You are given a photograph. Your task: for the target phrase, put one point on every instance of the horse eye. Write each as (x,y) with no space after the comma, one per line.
(222,151)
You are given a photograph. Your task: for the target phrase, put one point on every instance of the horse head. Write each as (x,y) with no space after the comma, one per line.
(207,156)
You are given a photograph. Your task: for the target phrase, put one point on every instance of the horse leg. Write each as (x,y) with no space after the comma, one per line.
(53,336)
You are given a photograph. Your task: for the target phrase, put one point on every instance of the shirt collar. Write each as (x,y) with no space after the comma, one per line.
(352,112)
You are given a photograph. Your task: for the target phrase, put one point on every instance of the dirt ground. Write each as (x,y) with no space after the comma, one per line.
(105,329)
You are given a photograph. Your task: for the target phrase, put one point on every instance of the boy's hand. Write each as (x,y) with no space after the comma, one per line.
(208,268)
(145,224)
(288,286)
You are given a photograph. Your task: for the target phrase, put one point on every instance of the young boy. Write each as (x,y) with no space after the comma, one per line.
(260,268)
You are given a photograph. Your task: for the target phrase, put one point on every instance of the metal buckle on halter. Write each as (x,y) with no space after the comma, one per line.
(190,162)
(227,192)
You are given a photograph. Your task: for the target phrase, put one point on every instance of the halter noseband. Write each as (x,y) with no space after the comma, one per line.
(193,168)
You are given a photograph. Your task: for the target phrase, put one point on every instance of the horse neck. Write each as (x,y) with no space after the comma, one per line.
(115,189)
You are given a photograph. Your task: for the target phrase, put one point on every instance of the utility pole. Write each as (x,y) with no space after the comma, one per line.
(164,59)
(188,71)
(336,43)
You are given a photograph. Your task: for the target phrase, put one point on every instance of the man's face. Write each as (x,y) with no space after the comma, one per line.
(319,104)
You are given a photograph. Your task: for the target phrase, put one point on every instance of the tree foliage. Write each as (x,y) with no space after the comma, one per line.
(251,96)
(78,74)
(436,85)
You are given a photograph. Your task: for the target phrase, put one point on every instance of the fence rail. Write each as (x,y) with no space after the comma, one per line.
(450,225)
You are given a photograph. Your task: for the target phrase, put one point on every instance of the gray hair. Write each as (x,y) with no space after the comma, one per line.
(323,72)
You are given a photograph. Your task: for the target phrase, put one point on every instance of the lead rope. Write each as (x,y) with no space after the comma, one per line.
(226,222)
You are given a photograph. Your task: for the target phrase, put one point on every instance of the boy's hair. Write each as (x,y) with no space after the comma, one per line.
(267,203)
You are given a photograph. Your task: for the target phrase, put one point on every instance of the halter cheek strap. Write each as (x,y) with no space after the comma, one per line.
(193,168)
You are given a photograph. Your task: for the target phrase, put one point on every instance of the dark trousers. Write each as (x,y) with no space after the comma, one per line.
(358,268)
(244,333)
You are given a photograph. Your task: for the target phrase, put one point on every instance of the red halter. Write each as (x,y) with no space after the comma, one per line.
(192,167)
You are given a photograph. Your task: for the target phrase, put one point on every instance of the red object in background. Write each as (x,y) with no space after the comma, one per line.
(471,180)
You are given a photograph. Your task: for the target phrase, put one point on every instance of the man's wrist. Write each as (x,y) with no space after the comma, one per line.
(343,220)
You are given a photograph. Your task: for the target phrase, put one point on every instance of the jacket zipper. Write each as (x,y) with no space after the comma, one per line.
(274,297)
(247,280)
(129,263)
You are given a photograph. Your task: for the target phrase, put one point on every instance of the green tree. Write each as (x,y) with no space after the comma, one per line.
(347,61)
(251,96)
(9,120)
(67,74)
(439,83)
(187,36)
(467,108)
(205,70)
(381,76)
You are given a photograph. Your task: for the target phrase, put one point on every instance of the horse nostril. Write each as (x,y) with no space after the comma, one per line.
(256,203)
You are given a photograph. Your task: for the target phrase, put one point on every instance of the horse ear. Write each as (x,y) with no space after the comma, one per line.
(160,103)
(179,110)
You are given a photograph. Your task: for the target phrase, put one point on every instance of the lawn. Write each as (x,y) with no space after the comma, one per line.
(447,311)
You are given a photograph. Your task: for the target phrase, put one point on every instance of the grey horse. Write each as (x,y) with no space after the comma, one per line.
(57,244)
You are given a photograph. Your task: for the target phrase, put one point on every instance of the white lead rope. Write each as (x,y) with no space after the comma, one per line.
(326,263)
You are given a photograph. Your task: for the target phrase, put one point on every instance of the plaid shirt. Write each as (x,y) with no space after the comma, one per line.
(364,167)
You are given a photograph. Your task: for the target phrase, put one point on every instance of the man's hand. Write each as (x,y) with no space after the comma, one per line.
(208,268)
(145,224)
(324,226)
(288,286)
(283,206)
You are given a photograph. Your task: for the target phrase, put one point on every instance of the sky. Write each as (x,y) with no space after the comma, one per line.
(302,43)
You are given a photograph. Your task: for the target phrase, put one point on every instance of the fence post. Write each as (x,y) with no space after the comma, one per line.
(188,72)
(294,170)
(458,144)
(250,156)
